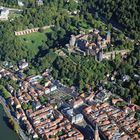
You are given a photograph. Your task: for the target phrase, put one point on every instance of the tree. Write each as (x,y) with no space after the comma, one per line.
(31,72)
(42,99)
(13,124)
(40,30)
(4,92)
(25,106)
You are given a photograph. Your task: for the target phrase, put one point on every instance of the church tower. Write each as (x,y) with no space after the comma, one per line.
(96,137)
(99,55)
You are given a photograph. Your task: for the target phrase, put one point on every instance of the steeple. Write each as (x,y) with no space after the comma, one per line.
(96,137)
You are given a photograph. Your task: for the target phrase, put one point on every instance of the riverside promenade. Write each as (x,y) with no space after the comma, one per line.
(20,133)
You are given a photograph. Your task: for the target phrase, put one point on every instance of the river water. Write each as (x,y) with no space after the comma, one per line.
(6,133)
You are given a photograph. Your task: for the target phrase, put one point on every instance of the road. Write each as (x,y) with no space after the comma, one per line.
(87,131)
(11,9)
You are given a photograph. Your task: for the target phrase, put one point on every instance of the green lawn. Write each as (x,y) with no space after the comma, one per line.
(14,15)
(34,40)
(4,92)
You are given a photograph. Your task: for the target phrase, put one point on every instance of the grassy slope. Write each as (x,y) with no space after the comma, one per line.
(34,40)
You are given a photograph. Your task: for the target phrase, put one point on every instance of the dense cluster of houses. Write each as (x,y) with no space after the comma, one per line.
(40,121)
(44,120)
(51,124)
(4,73)
(114,123)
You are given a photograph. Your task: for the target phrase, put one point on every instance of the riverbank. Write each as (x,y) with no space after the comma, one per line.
(6,133)
(20,135)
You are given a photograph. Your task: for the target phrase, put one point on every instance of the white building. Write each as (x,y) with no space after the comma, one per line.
(23,65)
(77,118)
(39,2)
(53,88)
(74,118)
(35,78)
(35,136)
(20,3)
(4,14)
(50,89)
(47,91)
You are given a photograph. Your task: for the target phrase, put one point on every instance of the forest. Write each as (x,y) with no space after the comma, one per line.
(125,13)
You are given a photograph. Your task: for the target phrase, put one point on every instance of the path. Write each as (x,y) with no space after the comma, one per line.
(10,9)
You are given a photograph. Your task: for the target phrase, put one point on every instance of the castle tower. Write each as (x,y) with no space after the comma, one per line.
(100,55)
(72,41)
(108,37)
(96,137)
(129,99)
(15,93)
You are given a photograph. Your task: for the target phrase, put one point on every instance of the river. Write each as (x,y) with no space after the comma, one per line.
(5,132)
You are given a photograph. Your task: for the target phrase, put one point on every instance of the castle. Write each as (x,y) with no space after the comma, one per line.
(90,44)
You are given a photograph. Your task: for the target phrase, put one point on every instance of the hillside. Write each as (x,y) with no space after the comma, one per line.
(126,13)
